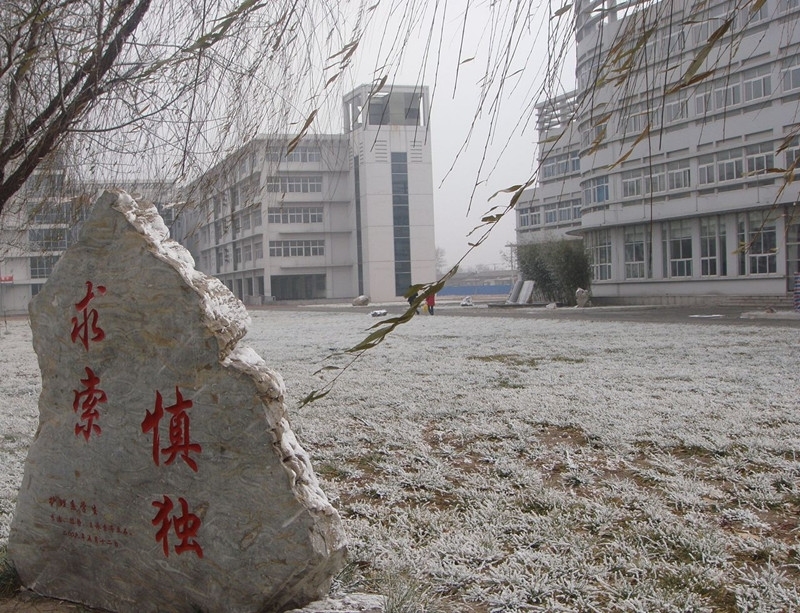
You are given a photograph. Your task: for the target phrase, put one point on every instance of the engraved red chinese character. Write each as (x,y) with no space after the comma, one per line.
(179,437)
(185,526)
(84,327)
(87,400)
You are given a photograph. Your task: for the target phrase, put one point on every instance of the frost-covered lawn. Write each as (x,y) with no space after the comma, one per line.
(514,464)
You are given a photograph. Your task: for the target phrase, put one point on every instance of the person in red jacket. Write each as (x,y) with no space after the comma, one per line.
(430,300)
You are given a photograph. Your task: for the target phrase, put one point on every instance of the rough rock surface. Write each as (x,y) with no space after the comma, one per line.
(164,475)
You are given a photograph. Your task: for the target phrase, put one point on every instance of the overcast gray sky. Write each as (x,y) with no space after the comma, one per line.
(509,153)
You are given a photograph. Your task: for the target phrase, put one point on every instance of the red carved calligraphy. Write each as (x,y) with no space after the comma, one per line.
(184,525)
(179,436)
(87,400)
(84,327)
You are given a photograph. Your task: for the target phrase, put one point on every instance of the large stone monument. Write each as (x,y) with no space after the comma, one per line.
(164,475)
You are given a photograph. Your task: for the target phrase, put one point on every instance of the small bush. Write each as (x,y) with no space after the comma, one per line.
(557,268)
(9,579)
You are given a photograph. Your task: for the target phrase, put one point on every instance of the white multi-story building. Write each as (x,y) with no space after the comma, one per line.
(333,216)
(338,216)
(36,227)
(682,170)
(44,219)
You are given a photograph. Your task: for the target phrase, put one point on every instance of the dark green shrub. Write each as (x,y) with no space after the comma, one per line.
(557,268)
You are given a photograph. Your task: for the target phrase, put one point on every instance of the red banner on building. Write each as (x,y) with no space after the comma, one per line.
(8,279)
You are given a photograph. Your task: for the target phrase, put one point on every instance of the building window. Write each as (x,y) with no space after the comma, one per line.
(678,175)
(48,239)
(676,107)
(296,248)
(299,154)
(760,14)
(729,165)
(256,215)
(556,165)
(759,158)
(729,94)
(637,249)
(294,185)
(600,251)
(677,240)
(702,102)
(576,209)
(790,73)
(550,214)
(713,261)
(757,244)
(530,217)
(705,169)
(258,250)
(304,154)
(564,211)
(593,136)
(247,253)
(596,191)
(575,161)
(672,43)
(50,212)
(246,221)
(42,266)
(401,216)
(757,83)
(631,183)
(295,214)
(655,180)
(793,154)
(237,255)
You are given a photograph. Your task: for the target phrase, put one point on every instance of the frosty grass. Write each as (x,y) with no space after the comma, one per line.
(511,464)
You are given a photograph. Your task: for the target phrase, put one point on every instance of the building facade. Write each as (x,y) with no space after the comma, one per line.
(44,219)
(331,216)
(682,172)
(337,216)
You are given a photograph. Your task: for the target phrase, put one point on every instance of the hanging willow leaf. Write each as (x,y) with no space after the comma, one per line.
(312,397)
(642,135)
(507,190)
(296,140)
(597,142)
(379,85)
(223,25)
(787,141)
(515,198)
(561,11)
(693,81)
(706,49)
(386,326)
(347,50)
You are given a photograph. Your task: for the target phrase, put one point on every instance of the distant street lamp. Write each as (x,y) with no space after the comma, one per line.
(512,249)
